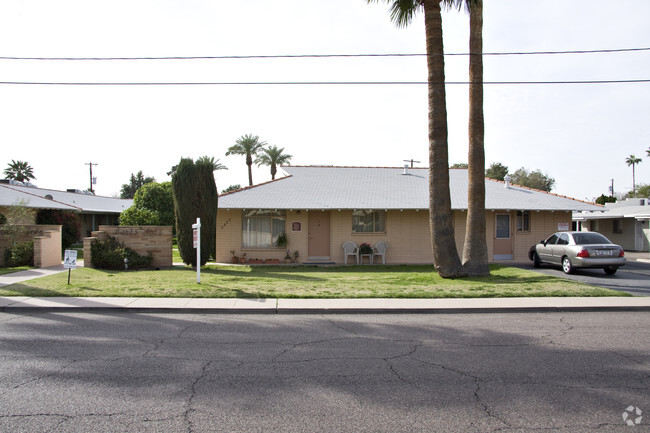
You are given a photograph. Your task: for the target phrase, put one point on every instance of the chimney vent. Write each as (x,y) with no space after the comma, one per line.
(507,180)
(406,169)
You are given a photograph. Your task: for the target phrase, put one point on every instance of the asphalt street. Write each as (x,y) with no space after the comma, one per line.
(136,372)
(633,278)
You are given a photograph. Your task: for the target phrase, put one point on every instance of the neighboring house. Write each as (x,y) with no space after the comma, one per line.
(320,208)
(93,210)
(625,223)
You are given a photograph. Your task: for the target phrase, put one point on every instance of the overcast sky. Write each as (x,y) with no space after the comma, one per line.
(579,134)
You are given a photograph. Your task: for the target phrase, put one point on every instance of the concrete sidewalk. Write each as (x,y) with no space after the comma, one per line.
(324,306)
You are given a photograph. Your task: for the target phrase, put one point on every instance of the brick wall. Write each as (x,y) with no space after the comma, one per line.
(156,240)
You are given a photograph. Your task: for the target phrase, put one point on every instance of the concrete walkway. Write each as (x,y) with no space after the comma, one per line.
(313,306)
(30,274)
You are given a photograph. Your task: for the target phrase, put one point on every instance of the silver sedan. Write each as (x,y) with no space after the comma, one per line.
(573,250)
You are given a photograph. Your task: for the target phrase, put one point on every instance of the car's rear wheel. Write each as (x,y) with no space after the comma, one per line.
(610,270)
(536,261)
(567,267)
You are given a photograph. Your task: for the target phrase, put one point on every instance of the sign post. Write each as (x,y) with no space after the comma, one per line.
(196,233)
(70,261)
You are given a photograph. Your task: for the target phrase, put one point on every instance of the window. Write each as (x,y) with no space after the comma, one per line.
(552,240)
(368,221)
(503,226)
(586,238)
(523,221)
(618,226)
(563,240)
(261,228)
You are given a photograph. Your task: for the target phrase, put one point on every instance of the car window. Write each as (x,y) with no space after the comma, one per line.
(587,238)
(563,240)
(552,240)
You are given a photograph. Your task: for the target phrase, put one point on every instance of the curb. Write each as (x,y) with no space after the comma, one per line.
(318,311)
(324,306)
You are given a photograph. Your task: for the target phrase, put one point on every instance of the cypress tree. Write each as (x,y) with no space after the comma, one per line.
(195,196)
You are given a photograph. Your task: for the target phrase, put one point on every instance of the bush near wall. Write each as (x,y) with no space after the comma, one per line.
(110,254)
(21,254)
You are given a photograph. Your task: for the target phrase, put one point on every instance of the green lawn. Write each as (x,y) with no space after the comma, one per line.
(11,270)
(303,282)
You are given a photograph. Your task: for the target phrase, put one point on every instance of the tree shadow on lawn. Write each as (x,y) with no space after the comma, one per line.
(274,272)
(20,289)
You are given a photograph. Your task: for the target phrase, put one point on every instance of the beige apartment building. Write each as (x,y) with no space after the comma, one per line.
(318,208)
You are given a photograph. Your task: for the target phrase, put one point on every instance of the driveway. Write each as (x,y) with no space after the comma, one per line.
(633,278)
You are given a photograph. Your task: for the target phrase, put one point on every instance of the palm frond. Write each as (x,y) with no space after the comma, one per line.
(401,11)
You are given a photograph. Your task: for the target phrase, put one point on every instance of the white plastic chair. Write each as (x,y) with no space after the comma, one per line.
(380,250)
(350,249)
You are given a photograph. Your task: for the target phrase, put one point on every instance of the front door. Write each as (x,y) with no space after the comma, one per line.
(502,248)
(319,236)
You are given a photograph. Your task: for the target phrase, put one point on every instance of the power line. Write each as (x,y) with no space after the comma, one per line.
(302,56)
(311,83)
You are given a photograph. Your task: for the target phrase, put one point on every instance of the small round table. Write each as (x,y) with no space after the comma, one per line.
(361,256)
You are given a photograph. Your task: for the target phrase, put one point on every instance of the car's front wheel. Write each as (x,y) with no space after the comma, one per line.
(610,270)
(567,267)
(536,261)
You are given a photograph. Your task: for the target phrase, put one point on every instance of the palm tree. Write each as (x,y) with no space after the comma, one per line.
(443,243)
(475,252)
(20,171)
(632,161)
(216,165)
(272,156)
(248,145)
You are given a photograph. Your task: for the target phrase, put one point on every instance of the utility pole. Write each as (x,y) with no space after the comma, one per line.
(91,175)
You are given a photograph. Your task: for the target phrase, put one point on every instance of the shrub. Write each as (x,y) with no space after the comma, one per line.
(195,195)
(110,254)
(70,221)
(21,254)
(153,205)
(135,216)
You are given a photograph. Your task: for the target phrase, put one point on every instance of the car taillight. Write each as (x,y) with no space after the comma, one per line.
(621,254)
(583,253)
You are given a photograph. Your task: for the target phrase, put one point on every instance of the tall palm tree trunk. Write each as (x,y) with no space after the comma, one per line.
(249,163)
(475,253)
(445,255)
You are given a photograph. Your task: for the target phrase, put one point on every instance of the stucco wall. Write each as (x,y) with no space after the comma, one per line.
(407,233)
(47,247)
(631,230)
(47,242)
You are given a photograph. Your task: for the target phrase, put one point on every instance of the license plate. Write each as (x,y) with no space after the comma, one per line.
(604,252)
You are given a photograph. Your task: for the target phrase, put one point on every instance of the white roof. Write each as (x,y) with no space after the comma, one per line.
(323,187)
(629,208)
(52,199)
